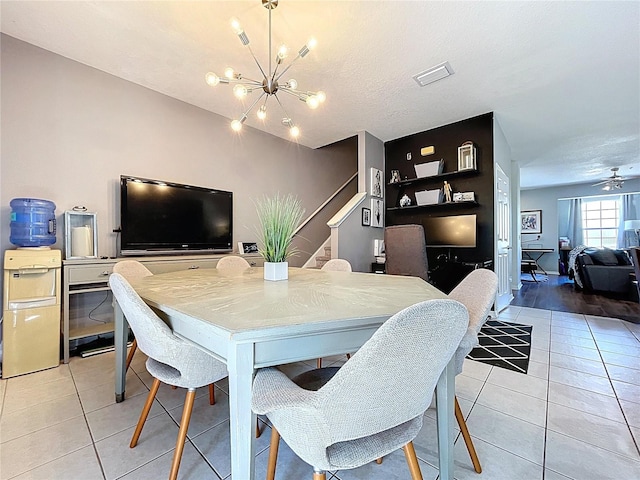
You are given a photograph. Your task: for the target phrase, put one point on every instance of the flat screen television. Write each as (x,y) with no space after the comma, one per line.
(452,231)
(158,217)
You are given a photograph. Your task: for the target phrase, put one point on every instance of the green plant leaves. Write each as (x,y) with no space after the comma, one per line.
(279,217)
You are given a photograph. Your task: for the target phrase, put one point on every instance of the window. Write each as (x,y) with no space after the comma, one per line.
(600,220)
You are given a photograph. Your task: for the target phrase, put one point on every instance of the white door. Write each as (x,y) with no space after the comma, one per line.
(503,239)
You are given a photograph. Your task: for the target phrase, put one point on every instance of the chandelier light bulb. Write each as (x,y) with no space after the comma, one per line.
(293,83)
(235,25)
(283,51)
(212,79)
(294,131)
(312,102)
(312,43)
(240,91)
(262,112)
(236,125)
(229,73)
(321,96)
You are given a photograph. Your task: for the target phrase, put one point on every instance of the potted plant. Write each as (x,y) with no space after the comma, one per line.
(279,217)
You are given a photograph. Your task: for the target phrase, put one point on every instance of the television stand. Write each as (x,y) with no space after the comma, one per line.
(448,273)
(85,276)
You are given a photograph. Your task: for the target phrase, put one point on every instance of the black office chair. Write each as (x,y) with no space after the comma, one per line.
(406,251)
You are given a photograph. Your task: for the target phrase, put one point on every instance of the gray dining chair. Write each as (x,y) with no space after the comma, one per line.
(344,419)
(170,360)
(337,265)
(405,251)
(232,262)
(131,270)
(477,292)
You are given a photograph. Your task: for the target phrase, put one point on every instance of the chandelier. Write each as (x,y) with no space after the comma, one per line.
(270,84)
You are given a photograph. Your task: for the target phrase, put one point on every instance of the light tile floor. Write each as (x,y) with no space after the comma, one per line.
(576,414)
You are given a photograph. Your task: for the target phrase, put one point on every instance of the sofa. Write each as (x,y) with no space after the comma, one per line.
(604,270)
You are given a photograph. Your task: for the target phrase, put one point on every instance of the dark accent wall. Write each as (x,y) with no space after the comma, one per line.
(446,140)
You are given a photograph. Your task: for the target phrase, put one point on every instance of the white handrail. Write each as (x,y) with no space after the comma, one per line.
(324,204)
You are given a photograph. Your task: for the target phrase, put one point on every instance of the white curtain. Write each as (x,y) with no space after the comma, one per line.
(575,222)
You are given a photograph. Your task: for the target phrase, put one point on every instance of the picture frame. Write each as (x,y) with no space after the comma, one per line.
(366,217)
(377,213)
(377,187)
(531,221)
(247,247)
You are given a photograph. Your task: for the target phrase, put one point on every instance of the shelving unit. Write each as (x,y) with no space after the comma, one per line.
(441,176)
(431,180)
(436,205)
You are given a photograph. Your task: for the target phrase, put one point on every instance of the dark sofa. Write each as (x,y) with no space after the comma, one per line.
(605,270)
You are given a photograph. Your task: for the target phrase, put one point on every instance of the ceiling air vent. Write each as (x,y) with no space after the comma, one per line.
(433,74)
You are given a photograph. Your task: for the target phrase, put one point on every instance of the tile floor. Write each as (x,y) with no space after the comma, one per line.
(576,414)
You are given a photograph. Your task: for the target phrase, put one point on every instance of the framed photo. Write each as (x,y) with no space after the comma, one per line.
(247,247)
(531,221)
(376,183)
(366,217)
(377,213)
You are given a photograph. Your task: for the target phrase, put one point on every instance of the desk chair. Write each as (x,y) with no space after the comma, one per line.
(477,292)
(171,360)
(131,270)
(529,266)
(343,419)
(406,252)
(232,262)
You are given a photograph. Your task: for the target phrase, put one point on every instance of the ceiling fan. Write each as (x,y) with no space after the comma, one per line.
(614,182)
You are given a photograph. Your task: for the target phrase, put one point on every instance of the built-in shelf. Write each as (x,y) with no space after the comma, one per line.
(90,330)
(435,205)
(442,176)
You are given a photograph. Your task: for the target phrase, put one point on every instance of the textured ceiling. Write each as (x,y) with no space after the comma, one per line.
(563,78)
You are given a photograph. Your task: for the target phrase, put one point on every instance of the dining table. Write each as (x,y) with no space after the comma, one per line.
(251,323)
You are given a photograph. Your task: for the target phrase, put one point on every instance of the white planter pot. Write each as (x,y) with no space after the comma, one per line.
(276,271)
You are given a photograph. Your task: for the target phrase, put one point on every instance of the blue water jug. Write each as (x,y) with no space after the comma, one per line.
(33,222)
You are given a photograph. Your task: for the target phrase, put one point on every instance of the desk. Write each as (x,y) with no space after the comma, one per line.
(536,254)
(250,323)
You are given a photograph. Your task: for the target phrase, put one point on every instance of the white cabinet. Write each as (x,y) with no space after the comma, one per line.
(84,276)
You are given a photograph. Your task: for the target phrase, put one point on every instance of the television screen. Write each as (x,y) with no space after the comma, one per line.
(453,231)
(164,217)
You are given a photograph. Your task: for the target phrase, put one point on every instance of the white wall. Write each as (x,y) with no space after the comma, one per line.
(68,131)
(546,199)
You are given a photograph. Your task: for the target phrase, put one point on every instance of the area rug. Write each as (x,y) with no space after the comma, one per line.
(505,345)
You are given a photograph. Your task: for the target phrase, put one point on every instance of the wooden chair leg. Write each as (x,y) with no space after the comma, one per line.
(379,461)
(182,433)
(412,461)
(258,431)
(467,438)
(173,387)
(319,475)
(319,363)
(145,412)
(348,356)
(212,396)
(273,453)
(132,352)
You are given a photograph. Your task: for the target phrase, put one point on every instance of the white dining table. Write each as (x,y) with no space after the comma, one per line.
(250,323)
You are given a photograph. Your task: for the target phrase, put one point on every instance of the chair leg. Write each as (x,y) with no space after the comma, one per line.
(412,461)
(319,474)
(319,363)
(258,431)
(379,461)
(273,453)
(145,412)
(467,438)
(134,347)
(212,396)
(348,356)
(182,433)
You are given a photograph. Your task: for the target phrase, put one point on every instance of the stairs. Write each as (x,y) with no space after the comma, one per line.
(321,260)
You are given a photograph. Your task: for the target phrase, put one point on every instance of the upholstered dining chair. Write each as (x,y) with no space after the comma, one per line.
(337,265)
(406,252)
(131,270)
(349,420)
(232,262)
(477,292)
(171,360)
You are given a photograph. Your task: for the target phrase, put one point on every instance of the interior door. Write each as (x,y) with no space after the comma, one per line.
(503,239)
